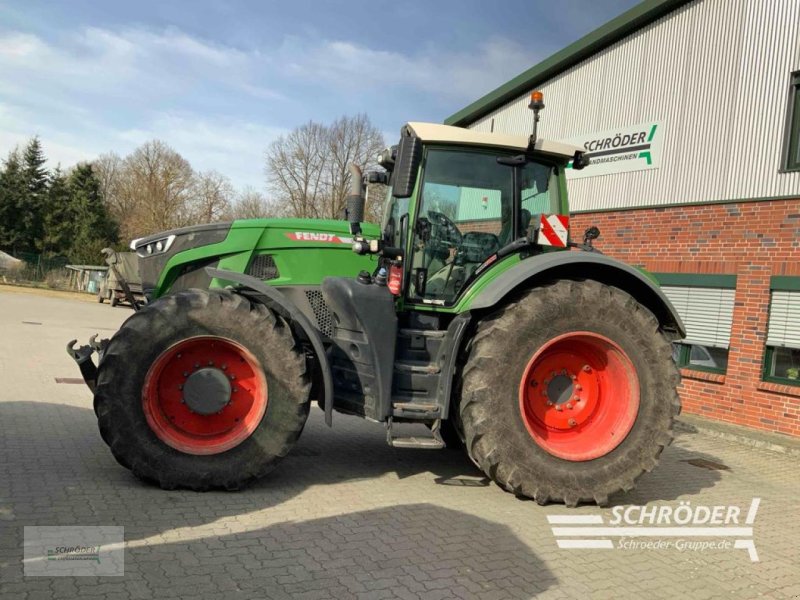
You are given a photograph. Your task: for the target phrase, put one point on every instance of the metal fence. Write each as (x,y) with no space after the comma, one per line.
(36,268)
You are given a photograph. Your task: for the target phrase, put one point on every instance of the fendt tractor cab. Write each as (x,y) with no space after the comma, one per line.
(470,310)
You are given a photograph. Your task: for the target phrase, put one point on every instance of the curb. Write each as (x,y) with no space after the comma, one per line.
(746,436)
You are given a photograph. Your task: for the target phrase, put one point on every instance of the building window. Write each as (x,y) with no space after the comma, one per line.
(782,358)
(700,358)
(705,305)
(792,162)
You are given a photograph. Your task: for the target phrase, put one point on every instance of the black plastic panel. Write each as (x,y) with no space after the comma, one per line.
(362,354)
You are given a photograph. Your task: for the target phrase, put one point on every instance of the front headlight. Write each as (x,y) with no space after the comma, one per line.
(153,247)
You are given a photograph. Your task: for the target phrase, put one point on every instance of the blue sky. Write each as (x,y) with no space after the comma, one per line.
(219,79)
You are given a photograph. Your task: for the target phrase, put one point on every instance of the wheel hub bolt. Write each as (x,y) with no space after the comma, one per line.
(196,365)
(576,398)
(186,373)
(559,408)
(534,383)
(211,363)
(587,369)
(549,403)
(572,422)
(569,404)
(578,387)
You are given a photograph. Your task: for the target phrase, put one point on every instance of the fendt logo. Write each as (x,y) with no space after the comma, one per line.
(316,236)
(683,528)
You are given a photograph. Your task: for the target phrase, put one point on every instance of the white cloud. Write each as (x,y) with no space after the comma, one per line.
(456,76)
(234,147)
(231,146)
(96,90)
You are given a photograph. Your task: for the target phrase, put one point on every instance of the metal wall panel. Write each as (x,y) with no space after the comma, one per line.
(717,73)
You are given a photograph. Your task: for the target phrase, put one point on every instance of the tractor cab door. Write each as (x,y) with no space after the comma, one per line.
(469,206)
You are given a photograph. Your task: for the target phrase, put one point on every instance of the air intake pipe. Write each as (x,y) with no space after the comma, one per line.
(355,200)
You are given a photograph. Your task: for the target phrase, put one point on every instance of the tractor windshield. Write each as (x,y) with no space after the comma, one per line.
(466,213)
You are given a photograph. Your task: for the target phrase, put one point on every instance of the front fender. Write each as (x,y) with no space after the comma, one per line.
(283,305)
(582,265)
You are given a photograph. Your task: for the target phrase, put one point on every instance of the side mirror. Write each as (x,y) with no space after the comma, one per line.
(592,233)
(580,161)
(409,157)
(355,200)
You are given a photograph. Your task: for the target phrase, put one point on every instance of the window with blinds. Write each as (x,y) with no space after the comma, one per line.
(782,358)
(784,320)
(707,313)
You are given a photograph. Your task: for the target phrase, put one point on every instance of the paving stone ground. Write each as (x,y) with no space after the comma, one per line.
(346,516)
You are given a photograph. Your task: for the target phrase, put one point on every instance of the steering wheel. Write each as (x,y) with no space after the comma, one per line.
(444,231)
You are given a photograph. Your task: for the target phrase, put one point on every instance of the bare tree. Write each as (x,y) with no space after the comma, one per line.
(251,204)
(212,194)
(351,140)
(296,164)
(109,169)
(308,168)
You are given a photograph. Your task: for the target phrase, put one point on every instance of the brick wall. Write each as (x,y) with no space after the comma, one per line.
(752,240)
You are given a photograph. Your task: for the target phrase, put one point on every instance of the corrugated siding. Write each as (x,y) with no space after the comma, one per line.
(706,312)
(784,320)
(716,73)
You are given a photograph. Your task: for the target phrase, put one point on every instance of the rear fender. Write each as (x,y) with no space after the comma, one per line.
(281,304)
(583,265)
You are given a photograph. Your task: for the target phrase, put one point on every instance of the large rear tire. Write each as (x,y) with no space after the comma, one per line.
(569,393)
(202,390)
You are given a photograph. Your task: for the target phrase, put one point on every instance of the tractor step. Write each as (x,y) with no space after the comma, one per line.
(415,406)
(408,366)
(431,333)
(417,442)
(434,442)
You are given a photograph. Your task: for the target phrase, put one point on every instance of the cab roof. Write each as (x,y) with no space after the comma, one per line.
(447,134)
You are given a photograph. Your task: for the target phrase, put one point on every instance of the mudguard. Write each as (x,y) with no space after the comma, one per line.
(554,265)
(283,305)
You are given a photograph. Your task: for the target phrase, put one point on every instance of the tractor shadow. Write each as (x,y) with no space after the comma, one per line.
(404,551)
(55,470)
(680,472)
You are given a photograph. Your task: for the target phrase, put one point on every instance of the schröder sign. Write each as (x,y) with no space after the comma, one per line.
(619,150)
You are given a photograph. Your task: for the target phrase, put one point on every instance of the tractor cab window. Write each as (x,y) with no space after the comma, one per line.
(466,214)
(396,208)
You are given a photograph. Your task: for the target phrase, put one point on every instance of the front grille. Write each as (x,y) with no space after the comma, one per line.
(263,267)
(321,312)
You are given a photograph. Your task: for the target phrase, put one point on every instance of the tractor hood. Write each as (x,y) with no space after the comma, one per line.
(176,259)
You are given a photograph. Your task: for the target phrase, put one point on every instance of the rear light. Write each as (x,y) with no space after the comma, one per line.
(395,283)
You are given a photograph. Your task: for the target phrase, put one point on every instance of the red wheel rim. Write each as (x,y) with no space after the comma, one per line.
(579,396)
(174,421)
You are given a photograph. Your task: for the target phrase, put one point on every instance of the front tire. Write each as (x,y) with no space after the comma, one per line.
(569,393)
(202,390)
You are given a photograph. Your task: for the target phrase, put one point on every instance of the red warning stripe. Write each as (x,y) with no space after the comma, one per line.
(553,230)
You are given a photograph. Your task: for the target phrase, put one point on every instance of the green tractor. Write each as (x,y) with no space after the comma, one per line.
(469,310)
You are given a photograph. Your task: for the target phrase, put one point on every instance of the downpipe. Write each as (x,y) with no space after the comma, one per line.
(82,356)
